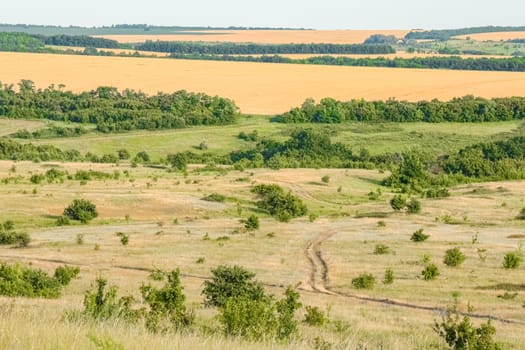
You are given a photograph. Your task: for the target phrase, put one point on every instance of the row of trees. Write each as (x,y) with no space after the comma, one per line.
(512,64)
(21,42)
(262,49)
(464,109)
(112,110)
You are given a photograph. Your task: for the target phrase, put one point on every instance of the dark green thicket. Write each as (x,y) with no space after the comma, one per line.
(114,111)
(284,206)
(260,49)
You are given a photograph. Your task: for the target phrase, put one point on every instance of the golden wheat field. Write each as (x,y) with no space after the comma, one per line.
(265,36)
(493,36)
(259,88)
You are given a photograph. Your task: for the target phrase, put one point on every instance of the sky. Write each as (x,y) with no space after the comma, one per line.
(316,14)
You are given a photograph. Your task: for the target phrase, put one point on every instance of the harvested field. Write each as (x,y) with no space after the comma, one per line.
(493,36)
(265,36)
(257,88)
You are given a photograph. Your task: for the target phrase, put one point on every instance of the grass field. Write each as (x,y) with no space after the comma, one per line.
(377,138)
(501,36)
(266,36)
(345,235)
(256,87)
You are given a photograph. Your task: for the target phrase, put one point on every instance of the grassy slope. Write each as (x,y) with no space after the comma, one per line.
(153,198)
(378,138)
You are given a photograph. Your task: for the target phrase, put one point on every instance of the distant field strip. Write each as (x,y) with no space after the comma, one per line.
(266,36)
(493,36)
(256,87)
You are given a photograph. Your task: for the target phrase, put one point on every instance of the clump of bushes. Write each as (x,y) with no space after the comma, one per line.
(398,202)
(364,281)
(419,236)
(284,206)
(521,215)
(17,280)
(389,277)
(82,210)
(454,257)
(8,235)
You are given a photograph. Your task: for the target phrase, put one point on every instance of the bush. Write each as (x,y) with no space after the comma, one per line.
(103,305)
(419,236)
(454,257)
(325,179)
(64,274)
(381,249)
(284,206)
(389,276)
(430,272)
(398,202)
(21,281)
(252,223)
(461,334)
(261,319)
(166,305)
(314,316)
(364,281)
(82,210)
(414,206)
(228,282)
(512,260)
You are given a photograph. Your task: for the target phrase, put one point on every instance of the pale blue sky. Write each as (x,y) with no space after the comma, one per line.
(320,14)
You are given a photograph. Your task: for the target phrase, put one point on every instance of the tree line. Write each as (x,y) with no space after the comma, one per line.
(262,49)
(445,34)
(513,64)
(21,42)
(464,109)
(113,111)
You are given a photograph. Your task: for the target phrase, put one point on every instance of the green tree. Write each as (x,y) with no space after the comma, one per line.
(82,210)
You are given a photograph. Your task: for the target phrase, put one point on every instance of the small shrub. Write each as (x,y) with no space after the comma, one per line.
(414,206)
(312,217)
(521,215)
(381,249)
(430,272)
(314,316)
(64,274)
(157,275)
(508,296)
(389,277)
(419,236)
(364,281)
(284,206)
(8,235)
(252,223)
(325,179)
(167,309)
(454,257)
(374,195)
(82,210)
(512,260)
(398,202)
(63,221)
(80,239)
(381,223)
(215,197)
(102,304)
(200,260)
(124,238)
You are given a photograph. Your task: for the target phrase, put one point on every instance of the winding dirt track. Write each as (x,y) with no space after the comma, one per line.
(318,281)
